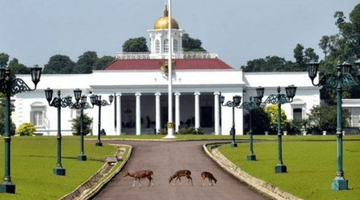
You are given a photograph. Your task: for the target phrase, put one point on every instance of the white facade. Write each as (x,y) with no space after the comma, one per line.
(142,99)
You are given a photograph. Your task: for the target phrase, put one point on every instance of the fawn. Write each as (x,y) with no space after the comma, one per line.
(179,174)
(209,176)
(141,174)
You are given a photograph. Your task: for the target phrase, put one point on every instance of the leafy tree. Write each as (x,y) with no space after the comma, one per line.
(191,44)
(324,44)
(17,68)
(2,117)
(86,62)
(268,64)
(87,121)
(59,64)
(4,58)
(135,45)
(103,62)
(260,121)
(272,111)
(303,57)
(26,129)
(324,118)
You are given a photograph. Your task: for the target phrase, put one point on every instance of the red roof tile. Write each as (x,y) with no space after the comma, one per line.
(153,64)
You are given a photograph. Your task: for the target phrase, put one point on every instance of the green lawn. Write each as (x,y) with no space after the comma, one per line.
(311,164)
(33,160)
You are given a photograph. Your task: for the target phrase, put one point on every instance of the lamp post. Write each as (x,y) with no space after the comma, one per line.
(281,99)
(10,85)
(252,105)
(96,100)
(81,104)
(234,103)
(342,79)
(58,103)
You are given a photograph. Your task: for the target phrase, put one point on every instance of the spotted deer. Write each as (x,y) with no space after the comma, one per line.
(181,173)
(209,176)
(138,175)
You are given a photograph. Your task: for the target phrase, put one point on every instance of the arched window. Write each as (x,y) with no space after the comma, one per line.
(176,46)
(157,46)
(37,114)
(166,46)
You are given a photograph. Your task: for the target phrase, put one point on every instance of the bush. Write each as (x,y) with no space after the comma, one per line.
(272,110)
(26,129)
(260,121)
(87,121)
(190,131)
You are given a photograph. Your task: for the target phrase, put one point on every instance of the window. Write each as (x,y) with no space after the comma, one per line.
(157,46)
(175,46)
(297,114)
(37,114)
(166,46)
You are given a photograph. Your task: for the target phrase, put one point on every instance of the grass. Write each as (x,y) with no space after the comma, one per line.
(310,161)
(34,158)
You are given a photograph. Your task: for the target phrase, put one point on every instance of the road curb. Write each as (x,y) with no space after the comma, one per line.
(91,191)
(258,184)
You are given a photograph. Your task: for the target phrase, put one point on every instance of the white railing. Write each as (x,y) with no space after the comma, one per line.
(147,55)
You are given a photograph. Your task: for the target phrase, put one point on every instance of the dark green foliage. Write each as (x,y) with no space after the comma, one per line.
(191,44)
(2,117)
(18,68)
(4,58)
(85,63)
(135,45)
(260,121)
(324,118)
(87,121)
(59,64)
(190,131)
(103,62)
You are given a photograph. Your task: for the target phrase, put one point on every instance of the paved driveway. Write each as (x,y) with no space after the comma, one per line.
(165,158)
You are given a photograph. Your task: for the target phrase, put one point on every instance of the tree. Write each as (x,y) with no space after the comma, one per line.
(87,121)
(260,120)
(59,64)
(268,64)
(17,68)
(86,62)
(324,44)
(4,58)
(135,45)
(324,118)
(272,110)
(191,44)
(103,62)
(2,117)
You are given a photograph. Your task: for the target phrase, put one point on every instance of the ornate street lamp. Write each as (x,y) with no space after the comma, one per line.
(234,103)
(10,85)
(281,99)
(58,103)
(96,100)
(252,105)
(342,79)
(81,104)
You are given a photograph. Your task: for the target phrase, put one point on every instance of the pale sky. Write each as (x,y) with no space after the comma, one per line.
(34,30)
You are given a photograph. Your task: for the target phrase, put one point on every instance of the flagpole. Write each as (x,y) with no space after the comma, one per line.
(170,124)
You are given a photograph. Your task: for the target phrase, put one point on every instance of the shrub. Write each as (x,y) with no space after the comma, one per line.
(260,121)
(190,131)
(26,129)
(273,112)
(87,121)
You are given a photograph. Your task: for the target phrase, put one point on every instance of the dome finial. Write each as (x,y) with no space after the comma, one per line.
(166,12)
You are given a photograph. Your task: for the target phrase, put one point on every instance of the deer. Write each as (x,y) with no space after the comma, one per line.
(138,175)
(209,176)
(181,173)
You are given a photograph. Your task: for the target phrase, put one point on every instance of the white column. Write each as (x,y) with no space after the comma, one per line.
(197,110)
(217,113)
(118,114)
(157,112)
(177,111)
(138,114)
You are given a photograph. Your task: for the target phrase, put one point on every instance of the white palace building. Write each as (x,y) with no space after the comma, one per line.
(141,91)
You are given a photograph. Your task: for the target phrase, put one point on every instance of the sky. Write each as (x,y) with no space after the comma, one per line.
(238,30)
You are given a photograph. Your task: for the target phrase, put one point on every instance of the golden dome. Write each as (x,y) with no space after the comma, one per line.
(163,22)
